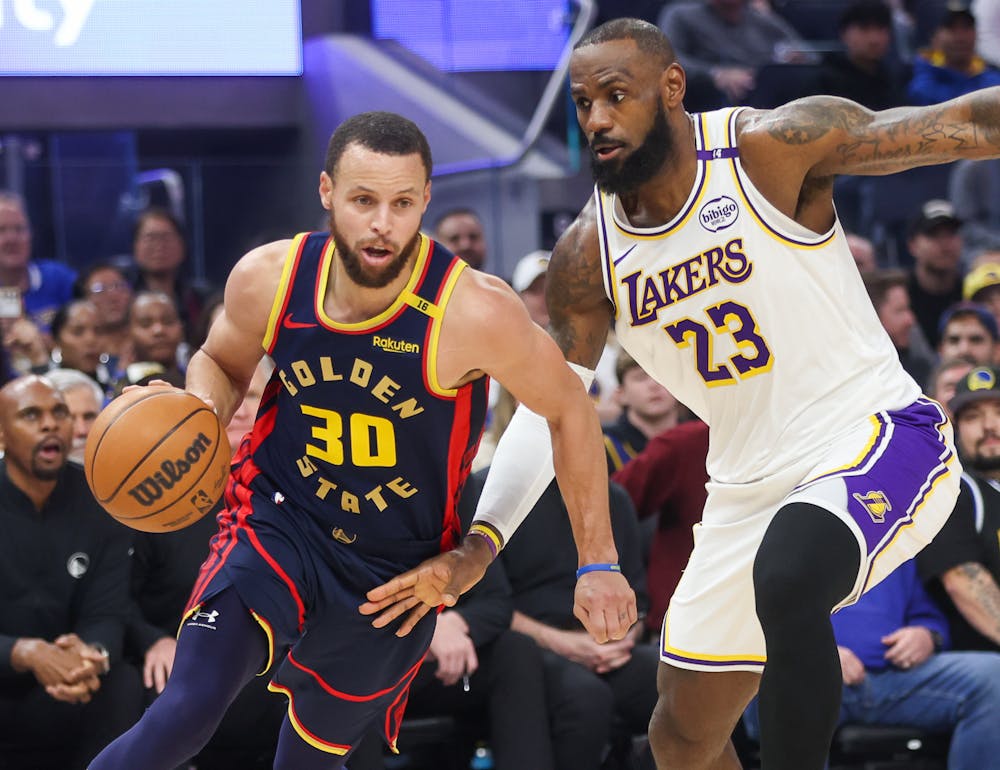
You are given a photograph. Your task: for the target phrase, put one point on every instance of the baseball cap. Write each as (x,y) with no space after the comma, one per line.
(955,10)
(980,384)
(866,13)
(983,277)
(528,268)
(986,318)
(933,213)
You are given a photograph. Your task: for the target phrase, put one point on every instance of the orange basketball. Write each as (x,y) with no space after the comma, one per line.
(157,459)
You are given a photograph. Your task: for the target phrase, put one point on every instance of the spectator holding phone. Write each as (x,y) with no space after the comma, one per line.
(42,285)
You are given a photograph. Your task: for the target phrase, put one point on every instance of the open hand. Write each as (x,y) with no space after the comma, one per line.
(439,580)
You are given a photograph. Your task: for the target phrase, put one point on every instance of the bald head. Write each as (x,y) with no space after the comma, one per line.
(36,429)
(647,37)
(14,391)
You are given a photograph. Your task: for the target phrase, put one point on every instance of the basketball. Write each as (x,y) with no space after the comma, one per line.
(157,459)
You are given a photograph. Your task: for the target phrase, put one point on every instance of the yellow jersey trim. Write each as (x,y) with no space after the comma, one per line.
(326,265)
(280,294)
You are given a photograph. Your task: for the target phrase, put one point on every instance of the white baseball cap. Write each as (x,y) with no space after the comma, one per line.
(528,268)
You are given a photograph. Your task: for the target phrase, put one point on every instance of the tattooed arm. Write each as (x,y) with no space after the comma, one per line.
(977,596)
(579,310)
(793,152)
(837,136)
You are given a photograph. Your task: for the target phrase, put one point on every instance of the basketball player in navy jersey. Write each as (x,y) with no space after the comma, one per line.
(713,243)
(381,341)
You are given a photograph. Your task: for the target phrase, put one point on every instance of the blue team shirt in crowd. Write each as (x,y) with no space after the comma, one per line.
(899,600)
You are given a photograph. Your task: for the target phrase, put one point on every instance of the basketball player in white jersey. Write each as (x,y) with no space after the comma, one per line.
(713,243)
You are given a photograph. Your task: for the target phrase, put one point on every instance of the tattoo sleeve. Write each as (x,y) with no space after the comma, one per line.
(976,594)
(846,138)
(579,310)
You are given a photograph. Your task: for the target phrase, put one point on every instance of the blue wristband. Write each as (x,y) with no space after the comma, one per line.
(599,567)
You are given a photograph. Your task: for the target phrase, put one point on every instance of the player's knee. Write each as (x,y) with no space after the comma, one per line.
(677,739)
(190,717)
(806,564)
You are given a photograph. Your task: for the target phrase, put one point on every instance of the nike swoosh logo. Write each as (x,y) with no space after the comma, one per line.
(625,254)
(288,323)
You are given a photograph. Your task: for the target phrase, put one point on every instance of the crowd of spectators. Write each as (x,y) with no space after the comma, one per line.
(89,609)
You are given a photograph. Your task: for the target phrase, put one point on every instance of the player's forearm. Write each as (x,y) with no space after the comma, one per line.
(207,380)
(582,472)
(977,596)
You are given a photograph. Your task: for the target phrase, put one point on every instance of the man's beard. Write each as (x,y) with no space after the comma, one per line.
(621,177)
(983,463)
(355,268)
(46,473)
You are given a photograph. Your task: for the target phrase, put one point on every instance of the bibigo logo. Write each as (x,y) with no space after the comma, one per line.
(719,213)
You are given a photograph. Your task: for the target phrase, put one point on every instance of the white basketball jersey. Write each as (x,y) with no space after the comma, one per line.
(760,326)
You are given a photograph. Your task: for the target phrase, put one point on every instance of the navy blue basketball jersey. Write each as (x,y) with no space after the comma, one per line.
(354,427)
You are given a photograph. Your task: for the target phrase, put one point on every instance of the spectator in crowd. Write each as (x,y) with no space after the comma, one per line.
(863,251)
(165,565)
(156,334)
(865,69)
(950,67)
(27,345)
(974,189)
(982,285)
(159,248)
(721,44)
(944,379)
(44,285)
(935,243)
(64,566)
(106,285)
(887,290)
(588,686)
(969,331)
(647,409)
(461,232)
(84,399)
(528,280)
(666,482)
(962,563)
(76,333)
(897,671)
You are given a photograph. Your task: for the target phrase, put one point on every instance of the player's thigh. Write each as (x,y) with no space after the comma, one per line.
(700,707)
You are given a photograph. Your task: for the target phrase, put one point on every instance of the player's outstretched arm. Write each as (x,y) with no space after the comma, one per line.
(522,357)
(829,135)
(221,369)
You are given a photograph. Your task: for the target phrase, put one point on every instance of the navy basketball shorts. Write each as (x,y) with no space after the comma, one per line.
(304,588)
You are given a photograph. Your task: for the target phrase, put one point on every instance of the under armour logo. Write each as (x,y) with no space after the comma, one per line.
(208,617)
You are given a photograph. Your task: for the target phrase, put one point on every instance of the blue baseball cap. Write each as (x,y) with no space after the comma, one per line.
(986,318)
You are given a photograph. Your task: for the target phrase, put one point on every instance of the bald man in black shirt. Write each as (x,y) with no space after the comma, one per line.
(64,570)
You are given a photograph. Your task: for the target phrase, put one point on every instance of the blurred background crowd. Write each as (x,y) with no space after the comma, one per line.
(129,188)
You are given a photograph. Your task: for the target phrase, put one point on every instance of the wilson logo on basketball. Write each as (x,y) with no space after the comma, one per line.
(151,489)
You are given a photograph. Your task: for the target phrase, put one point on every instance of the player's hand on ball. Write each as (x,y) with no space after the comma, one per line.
(150,384)
(605,604)
(440,580)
